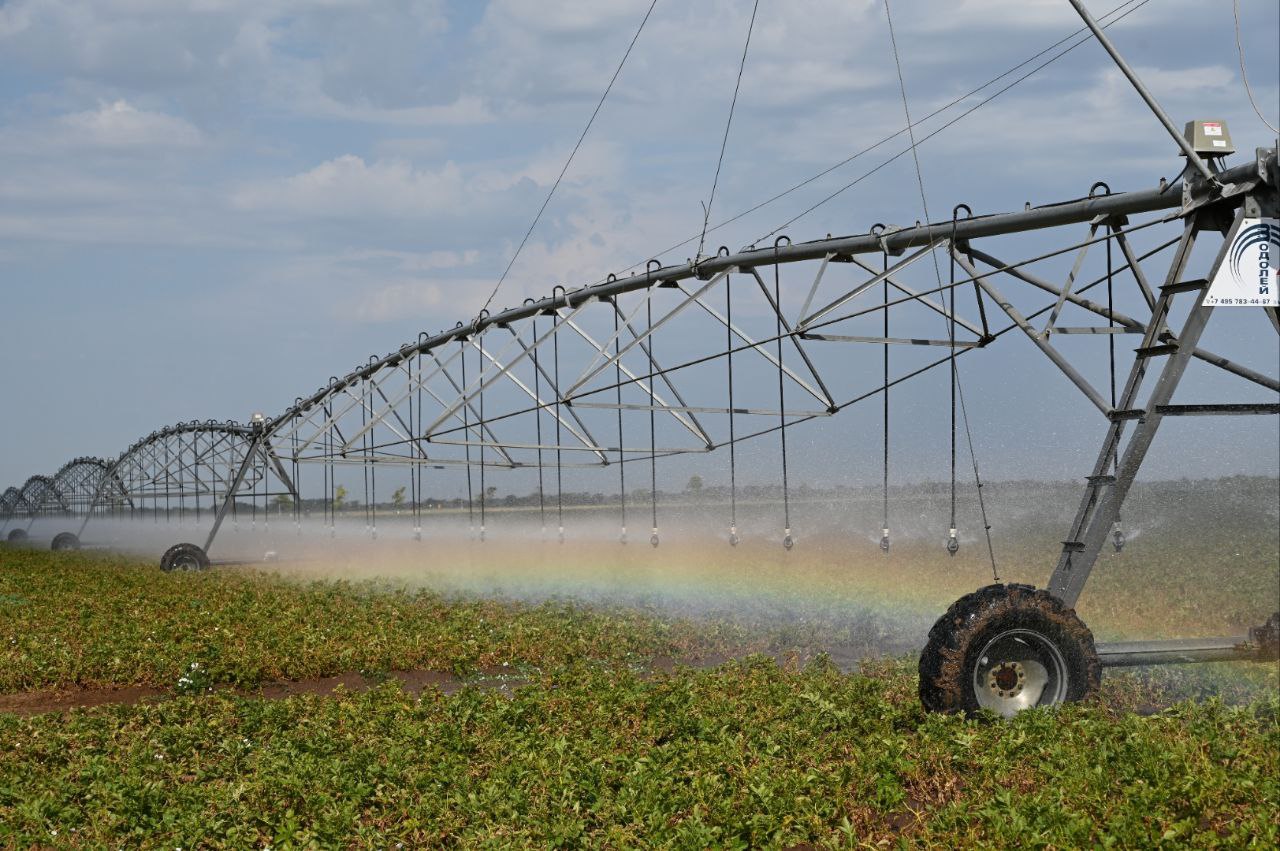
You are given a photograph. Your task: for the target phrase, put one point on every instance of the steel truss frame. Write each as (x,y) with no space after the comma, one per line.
(468,397)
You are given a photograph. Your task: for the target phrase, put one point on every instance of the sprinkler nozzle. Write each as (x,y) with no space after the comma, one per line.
(561,534)
(787,541)
(417,533)
(653,539)
(884,540)
(1117,537)
(482,534)
(622,539)
(953,542)
(733,536)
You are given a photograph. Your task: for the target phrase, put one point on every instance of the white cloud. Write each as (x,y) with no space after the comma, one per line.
(121,125)
(348,187)
(467,109)
(117,128)
(14,19)
(413,261)
(406,299)
(367,54)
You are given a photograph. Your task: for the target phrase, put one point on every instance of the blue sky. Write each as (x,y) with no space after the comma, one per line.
(207,208)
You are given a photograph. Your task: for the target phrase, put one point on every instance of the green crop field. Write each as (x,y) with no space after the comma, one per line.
(473,720)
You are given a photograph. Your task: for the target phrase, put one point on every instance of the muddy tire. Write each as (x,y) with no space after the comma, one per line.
(184,557)
(17,536)
(1006,648)
(65,541)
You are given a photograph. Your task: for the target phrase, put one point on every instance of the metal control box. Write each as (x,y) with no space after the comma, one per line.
(1209,137)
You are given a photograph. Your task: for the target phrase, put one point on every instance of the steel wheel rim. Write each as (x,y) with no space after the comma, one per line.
(1019,669)
(186,562)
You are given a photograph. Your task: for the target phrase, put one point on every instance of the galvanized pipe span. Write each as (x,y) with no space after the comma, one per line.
(1236,181)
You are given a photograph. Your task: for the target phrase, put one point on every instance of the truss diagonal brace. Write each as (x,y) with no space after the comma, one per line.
(1053,354)
(806,321)
(925,300)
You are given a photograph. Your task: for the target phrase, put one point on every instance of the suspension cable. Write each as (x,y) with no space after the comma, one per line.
(195,445)
(364,450)
(617,375)
(555,357)
(1111,317)
(417,467)
(466,431)
(653,445)
(724,141)
(953,541)
(982,503)
(297,488)
(537,412)
(915,144)
(1117,532)
(373,480)
(330,485)
(798,186)
(884,528)
(484,491)
(733,440)
(964,412)
(568,161)
(1244,75)
(787,541)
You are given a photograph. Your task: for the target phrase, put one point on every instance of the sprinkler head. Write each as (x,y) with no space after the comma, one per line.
(884,540)
(953,543)
(733,536)
(622,539)
(653,539)
(373,533)
(561,535)
(417,533)
(1117,537)
(482,534)
(787,541)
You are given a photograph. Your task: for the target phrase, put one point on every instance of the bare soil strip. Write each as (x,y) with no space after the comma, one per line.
(78,697)
(413,682)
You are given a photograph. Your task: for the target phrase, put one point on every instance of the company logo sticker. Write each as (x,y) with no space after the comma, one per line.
(1248,274)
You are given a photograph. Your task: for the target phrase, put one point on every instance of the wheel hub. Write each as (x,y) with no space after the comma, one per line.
(1019,669)
(1006,679)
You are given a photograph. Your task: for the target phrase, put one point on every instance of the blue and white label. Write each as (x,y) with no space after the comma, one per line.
(1247,276)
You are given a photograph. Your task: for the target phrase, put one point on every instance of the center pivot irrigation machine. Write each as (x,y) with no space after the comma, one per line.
(704,355)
